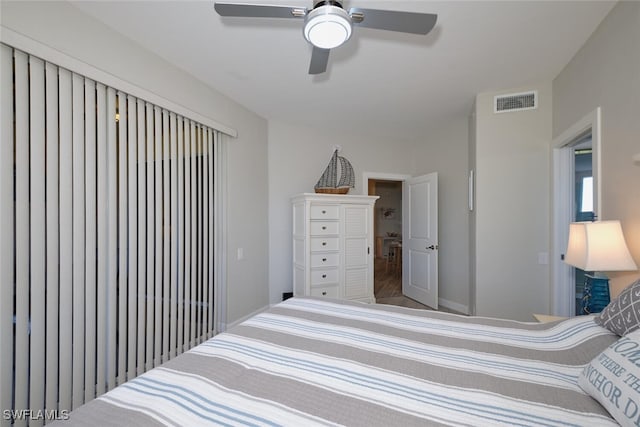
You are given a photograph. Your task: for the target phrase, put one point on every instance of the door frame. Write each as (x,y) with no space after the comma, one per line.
(563,275)
(366,176)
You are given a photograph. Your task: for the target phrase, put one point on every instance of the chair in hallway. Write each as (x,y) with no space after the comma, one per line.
(394,257)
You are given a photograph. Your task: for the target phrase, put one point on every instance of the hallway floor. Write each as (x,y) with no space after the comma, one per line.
(387,288)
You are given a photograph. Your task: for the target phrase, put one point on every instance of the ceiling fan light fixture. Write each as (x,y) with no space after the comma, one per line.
(327,27)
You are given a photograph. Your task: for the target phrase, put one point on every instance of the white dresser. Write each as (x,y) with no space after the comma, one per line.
(333,246)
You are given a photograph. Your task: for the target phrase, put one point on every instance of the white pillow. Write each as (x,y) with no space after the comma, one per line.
(613,379)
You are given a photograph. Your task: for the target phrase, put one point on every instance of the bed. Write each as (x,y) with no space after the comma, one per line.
(314,361)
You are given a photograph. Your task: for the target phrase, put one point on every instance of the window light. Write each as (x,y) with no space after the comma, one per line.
(586,204)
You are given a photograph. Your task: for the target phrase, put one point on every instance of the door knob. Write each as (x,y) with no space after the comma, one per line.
(432,247)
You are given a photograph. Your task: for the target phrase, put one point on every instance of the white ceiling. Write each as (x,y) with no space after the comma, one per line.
(394,84)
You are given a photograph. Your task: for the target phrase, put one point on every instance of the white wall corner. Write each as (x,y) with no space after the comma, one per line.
(224,326)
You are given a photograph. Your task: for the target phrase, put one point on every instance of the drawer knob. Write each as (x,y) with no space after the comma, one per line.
(324,293)
(324,276)
(324,260)
(324,212)
(324,227)
(324,243)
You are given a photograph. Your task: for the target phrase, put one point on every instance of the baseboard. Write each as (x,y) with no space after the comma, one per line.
(460,308)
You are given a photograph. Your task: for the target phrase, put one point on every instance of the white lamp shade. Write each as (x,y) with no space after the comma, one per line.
(598,246)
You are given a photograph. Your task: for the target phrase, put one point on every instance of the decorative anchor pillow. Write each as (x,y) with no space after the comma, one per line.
(613,379)
(622,315)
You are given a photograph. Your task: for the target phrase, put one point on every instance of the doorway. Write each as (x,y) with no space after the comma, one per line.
(583,203)
(387,229)
(571,154)
(415,262)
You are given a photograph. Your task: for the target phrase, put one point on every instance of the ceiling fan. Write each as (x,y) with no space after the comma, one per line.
(327,25)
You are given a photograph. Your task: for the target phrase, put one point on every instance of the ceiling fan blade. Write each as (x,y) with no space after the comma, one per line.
(259,10)
(319,60)
(406,22)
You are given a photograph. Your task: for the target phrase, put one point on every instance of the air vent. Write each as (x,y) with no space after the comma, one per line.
(515,102)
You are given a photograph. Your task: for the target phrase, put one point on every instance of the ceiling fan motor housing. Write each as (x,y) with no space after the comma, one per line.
(328,25)
(319,3)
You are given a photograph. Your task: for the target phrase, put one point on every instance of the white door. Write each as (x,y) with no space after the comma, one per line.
(420,239)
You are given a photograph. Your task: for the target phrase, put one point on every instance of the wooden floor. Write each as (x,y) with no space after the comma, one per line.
(387,287)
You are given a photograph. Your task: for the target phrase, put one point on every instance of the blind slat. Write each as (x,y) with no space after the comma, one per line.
(142,234)
(66,241)
(166,242)
(22,231)
(53,226)
(194,233)
(78,213)
(103,302)
(112,241)
(219,219)
(212,204)
(174,236)
(205,234)
(181,230)
(6,233)
(132,267)
(187,235)
(200,238)
(150,248)
(90,238)
(158,236)
(37,233)
(123,238)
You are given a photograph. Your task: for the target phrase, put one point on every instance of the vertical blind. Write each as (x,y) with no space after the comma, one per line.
(106,240)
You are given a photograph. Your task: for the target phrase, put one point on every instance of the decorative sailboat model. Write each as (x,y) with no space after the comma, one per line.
(329,183)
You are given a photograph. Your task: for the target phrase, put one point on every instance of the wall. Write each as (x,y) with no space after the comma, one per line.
(606,73)
(445,150)
(64,28)
(512,207)
(298,155)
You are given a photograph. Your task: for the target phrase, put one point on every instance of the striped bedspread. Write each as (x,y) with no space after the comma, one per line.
(308,362)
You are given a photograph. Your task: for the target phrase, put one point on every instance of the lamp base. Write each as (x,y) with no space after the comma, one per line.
(596,294)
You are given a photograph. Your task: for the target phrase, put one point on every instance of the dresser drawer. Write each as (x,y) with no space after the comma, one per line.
(319,228)
(327,291)
(325,212)
(323,277)
(324,260)
(324,244)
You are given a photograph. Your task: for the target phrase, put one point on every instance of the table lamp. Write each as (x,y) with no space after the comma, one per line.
(596,247)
